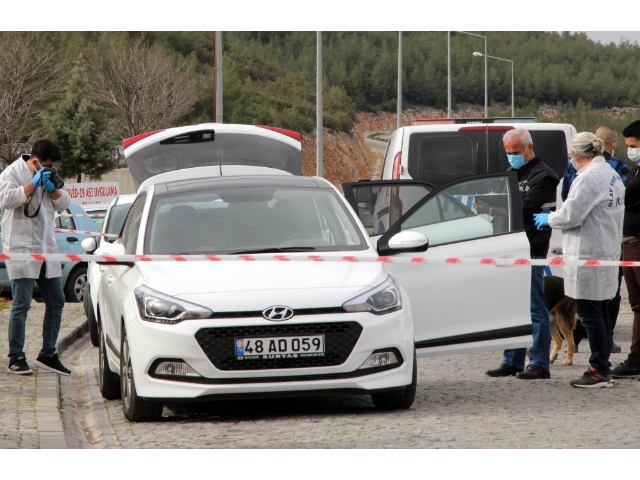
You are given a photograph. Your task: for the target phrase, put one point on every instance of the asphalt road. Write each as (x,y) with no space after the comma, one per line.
(457,407)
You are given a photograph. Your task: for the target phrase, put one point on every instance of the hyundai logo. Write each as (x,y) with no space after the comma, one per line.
(277,313)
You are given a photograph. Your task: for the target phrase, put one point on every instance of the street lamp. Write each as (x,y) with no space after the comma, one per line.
(486,97)
(478,54)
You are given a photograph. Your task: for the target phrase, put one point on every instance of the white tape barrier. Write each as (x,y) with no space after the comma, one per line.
(86,215)
(556,261)
(84,232)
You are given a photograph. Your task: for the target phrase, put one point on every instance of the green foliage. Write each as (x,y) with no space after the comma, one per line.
(81,131)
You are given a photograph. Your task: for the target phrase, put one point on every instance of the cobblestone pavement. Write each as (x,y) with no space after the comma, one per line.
(457,407)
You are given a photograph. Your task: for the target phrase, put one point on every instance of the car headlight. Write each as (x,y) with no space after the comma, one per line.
(158,307)
(384,298)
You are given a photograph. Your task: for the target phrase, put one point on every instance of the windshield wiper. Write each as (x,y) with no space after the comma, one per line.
(274,250)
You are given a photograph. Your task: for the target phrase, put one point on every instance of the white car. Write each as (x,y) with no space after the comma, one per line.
(111,225)
(202,330)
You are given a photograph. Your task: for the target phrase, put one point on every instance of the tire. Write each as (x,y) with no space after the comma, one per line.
(109,382)
(94,334)
(135,408)
(398,400)
(74,288)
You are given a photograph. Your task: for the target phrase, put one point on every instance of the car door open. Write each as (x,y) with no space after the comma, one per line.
(456,307)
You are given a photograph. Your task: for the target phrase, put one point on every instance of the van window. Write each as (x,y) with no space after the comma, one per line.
(441,157)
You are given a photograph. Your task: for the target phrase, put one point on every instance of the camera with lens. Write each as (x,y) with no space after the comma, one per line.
(55,179)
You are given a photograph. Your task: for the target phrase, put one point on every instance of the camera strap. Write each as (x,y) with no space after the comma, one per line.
(26,205)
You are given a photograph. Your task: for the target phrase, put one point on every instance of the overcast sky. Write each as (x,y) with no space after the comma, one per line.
(616,37)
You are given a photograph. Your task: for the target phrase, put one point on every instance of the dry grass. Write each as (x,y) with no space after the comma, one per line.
(5,303)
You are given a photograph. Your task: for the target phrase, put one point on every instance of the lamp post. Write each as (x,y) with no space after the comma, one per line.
(478,54)
(486,97)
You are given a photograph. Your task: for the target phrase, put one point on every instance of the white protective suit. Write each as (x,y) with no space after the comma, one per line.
(591,224)
(21,234)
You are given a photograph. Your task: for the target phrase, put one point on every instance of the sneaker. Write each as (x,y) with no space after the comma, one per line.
(503,370)
(615,348)
(52,364)
(626,370)
(19,366)
(593,379)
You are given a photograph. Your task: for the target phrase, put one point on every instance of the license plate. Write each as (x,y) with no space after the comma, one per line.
(279,347)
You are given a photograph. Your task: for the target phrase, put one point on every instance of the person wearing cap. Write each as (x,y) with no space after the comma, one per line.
(29,199)
(591,223)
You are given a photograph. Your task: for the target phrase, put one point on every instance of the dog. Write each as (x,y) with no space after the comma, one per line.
(563,318)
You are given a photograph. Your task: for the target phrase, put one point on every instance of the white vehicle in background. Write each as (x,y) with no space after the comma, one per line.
(111,226)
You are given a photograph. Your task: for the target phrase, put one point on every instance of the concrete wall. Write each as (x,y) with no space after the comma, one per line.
(120,175)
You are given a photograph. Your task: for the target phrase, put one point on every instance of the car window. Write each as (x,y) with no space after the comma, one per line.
(116,220)
(131,226)
(449,216)
(65,222)
(240,219)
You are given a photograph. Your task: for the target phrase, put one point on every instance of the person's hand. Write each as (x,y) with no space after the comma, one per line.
(480,206)
(49,186)
(41,177)
(541,220)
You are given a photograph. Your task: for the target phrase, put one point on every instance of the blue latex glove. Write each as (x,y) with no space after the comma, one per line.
(49,186)
(541,220)
(41,177)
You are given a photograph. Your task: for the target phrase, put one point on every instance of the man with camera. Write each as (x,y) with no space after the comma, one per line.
(30,194)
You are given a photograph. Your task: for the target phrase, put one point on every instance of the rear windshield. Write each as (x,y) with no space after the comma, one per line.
(226,149)
(440,157)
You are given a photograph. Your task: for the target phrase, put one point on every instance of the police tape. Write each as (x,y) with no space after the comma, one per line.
(84,232)
(86,215)
(101,258)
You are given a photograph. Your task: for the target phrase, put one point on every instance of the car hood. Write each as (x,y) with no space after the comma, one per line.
(255,285)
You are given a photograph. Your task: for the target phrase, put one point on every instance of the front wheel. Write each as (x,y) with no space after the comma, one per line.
(74,288)
(398,400)
(91,317)
(135,408)
(108,381)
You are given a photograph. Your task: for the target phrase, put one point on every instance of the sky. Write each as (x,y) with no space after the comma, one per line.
(312,15)
(616,37)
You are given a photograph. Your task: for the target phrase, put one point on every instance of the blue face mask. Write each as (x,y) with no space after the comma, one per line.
(516,161)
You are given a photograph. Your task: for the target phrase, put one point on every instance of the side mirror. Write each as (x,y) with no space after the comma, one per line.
(89,244)
(113,249)
(406,242)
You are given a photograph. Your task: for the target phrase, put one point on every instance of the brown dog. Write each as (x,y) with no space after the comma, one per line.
(563,317)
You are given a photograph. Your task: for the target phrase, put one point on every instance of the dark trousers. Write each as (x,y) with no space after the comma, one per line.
(594,315)
(631,252)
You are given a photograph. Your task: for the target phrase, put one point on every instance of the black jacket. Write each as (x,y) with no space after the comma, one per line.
(631,225)
(538,183)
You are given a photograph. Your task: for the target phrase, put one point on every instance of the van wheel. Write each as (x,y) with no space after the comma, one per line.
(135,408)
(398,400)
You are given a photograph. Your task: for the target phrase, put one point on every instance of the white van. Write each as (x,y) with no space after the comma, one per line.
(441,150)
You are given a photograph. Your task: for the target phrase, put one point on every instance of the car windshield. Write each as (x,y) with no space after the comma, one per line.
(252,219)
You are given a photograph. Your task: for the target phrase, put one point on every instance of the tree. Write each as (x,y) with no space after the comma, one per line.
(145,87)
(82,132)
(29,66)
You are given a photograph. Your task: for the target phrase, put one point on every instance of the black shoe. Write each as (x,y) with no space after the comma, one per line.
(503,370)
(53,364)
(626,370)
(534,372)
(19,366)
(593,379)
(615,348)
